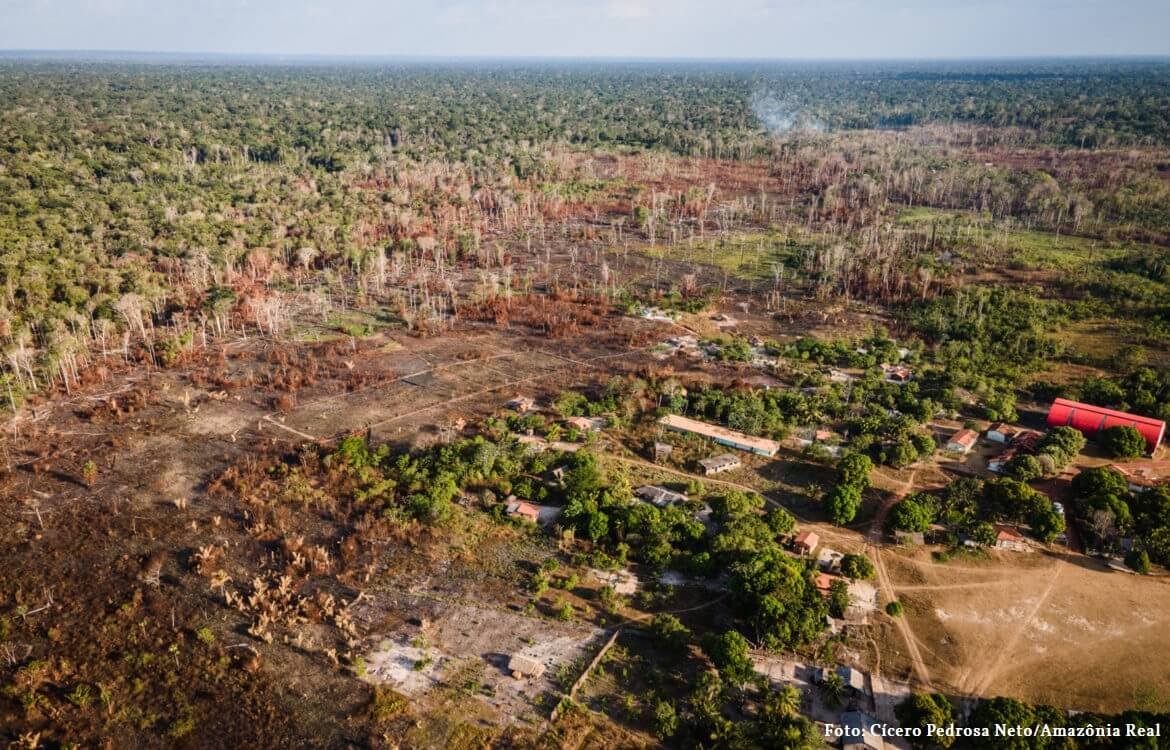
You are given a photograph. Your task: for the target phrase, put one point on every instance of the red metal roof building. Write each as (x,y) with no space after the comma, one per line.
(1091,419)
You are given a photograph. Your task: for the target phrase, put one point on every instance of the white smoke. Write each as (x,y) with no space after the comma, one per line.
(783,114)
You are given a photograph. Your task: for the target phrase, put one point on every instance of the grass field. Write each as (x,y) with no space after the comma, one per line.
(752,255)
(967,232)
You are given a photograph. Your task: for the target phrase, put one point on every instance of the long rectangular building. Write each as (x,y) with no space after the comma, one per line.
(732,439)
(1091,419)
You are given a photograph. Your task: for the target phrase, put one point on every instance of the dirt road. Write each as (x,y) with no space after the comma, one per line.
(873,544)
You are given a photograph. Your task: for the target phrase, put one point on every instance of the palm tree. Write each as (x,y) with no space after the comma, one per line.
(784,702)
(834,688)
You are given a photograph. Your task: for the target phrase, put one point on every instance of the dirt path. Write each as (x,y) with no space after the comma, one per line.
(873,541)
(650,617)
(268,418)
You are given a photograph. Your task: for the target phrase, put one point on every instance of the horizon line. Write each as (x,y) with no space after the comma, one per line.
(17,52)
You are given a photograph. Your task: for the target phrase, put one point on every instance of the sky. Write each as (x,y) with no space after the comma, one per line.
(773,29)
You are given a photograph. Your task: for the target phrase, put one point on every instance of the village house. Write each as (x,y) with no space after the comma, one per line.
(1000,432)
(962,441)
(824,583)
(719,464)
(829,560)
(998,464)
(587,424)
(659,496)
(806,542)
(662,451)
(853,679)
(685,345)
(521,509)
(1008,539)
(897,373)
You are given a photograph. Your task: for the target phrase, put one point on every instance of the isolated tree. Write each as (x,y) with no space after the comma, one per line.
(911,514)
(89,472)
(665,719)
(779,521)
(843,502)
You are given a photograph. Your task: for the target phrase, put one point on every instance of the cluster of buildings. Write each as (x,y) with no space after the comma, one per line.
(1145,475)
(1086,418)
(863,596)
(1015,440)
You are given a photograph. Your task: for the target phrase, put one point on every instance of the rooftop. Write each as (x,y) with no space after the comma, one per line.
(659,496)
(1007,534)
(523,509)
(1138,419)
(965,438)
(808,538)
(860,733)
(715,432)
(725,459)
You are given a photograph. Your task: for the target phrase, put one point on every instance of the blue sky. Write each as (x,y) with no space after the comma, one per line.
(597,28)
